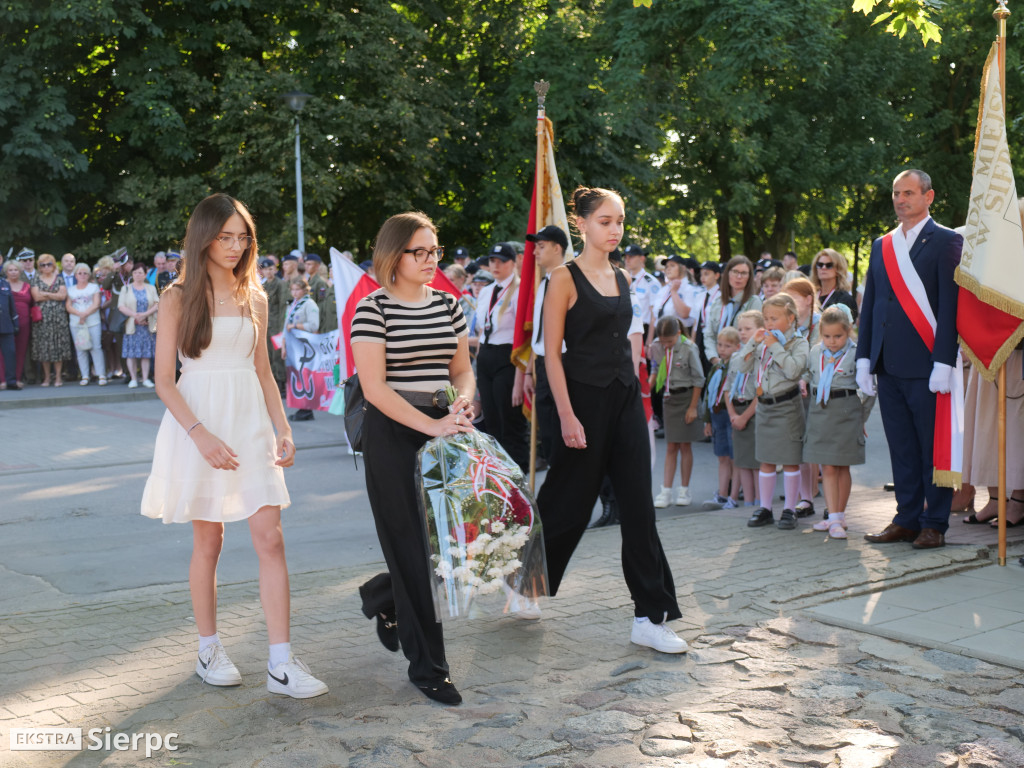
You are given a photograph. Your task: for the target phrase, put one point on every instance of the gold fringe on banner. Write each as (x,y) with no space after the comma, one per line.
(947,478)
(988,295)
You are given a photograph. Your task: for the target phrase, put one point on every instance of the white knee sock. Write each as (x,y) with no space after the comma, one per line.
(766,485)
(791,484)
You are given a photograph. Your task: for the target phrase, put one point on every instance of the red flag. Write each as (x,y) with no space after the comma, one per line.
(350,285)
(546,207)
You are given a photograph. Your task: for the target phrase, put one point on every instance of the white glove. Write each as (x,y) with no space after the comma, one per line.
(941,380)
(865,380)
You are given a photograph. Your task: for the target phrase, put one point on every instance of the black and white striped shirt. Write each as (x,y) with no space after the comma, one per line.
(420,338)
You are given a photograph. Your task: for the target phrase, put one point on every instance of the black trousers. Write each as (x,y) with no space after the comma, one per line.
(617,445)
(548,426)
(495,378)
(7,346)
(389,451)
(908,418)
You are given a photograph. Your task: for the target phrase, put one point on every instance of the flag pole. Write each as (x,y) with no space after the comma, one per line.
(1000,14)
(541,88)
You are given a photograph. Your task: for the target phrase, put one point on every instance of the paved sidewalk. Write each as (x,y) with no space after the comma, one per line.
(763,686)
(805,650)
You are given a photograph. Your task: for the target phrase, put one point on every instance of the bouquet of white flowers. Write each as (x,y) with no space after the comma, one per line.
(483,529)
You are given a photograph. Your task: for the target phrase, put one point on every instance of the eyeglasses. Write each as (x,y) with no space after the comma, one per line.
(421,254)
(824,265)
(227,241)
(47,264)
(739,274)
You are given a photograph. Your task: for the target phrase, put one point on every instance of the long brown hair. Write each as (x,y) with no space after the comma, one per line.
(723,282)
(195,327)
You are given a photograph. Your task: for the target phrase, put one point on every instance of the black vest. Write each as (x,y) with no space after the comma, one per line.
(596,333)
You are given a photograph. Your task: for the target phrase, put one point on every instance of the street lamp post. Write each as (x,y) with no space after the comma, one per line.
(296,100)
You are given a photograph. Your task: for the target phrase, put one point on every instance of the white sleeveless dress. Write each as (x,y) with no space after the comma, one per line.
(222,389)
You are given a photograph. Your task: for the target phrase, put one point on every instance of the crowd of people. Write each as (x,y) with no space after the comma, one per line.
(69,321)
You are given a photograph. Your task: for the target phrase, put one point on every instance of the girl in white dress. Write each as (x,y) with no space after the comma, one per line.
(217,459)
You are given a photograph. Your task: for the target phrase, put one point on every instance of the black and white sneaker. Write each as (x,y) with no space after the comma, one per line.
(215,668)
(293,678)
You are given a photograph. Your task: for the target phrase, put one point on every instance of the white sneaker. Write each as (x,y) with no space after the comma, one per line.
(683,497)
(663,499)
(522,607)
(730,504)
(657,636)
(214,666)
(293,678)
(148,384)
(133,384)
(715,502)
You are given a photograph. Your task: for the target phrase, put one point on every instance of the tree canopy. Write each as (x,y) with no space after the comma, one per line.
(730,127)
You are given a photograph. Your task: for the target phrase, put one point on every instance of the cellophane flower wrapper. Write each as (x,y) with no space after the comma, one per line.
(484,536)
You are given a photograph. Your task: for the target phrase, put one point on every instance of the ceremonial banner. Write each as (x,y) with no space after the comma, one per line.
(546,207)
(991,271)
(310,368)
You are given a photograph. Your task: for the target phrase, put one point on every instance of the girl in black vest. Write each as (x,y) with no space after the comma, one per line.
(597,395)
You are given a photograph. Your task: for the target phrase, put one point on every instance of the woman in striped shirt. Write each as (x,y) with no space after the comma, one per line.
(409,342)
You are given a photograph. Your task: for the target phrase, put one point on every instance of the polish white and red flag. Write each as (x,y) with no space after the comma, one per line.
(351,284)
(990,307)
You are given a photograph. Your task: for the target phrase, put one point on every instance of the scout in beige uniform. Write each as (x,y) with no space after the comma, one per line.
(835,428)
(777,356)
(742,406)
(681,383)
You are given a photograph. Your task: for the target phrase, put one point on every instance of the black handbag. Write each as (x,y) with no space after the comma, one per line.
(355,409)
(355,402)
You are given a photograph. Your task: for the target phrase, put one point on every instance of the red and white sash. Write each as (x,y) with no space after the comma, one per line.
(948,442)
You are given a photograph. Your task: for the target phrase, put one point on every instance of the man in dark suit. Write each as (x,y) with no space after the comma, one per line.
(9,324)
(909,374)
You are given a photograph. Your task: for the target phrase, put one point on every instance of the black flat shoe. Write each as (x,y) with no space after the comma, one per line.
(387,631)
(805,508)
(761,517)
(972,519)
(444,691)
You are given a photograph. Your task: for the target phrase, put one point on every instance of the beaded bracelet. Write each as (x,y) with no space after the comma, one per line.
(189,430)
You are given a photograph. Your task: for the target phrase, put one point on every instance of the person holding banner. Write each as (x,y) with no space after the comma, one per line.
(217,459)
(551,244)
(500,382)
(303,314)
(409,342)
(589,307)
(908,338)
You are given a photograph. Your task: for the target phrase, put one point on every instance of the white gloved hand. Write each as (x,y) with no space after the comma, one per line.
(941,380)
(865,380)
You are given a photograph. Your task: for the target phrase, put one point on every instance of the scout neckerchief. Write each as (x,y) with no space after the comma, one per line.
(766,359)
(295,308)
(947,445)
(829,364)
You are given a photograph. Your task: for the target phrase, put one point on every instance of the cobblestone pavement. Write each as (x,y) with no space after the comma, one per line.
(762,685)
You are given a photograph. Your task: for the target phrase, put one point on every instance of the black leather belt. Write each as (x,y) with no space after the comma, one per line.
(438,399)
(835,393)
(737,401)
(781,398)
